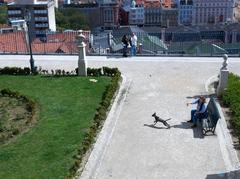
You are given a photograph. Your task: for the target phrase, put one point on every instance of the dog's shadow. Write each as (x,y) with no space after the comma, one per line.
(155,127)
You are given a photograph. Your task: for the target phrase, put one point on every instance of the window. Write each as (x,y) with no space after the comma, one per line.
(40,11)
(41,18)
(13,12)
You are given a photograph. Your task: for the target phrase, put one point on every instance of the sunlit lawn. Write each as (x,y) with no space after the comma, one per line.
(67,106)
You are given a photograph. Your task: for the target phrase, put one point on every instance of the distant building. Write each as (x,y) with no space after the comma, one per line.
(185,14)
(136,14)
(41,12)
(4,28)
(109,13)
(152,3)
(167,3)
(124,15)
(18,24)
(214,11)
(163,17)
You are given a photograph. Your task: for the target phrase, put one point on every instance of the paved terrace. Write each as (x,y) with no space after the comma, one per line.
(136,150)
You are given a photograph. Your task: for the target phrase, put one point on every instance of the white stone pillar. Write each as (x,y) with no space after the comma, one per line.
(82,63)
(223,76)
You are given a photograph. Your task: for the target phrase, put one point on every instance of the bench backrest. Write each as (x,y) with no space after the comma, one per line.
(213,111)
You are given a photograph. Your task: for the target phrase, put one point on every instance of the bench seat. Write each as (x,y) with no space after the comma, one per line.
(209,124)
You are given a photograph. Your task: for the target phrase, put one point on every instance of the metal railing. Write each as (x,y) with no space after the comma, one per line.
(171,44)
(177,44)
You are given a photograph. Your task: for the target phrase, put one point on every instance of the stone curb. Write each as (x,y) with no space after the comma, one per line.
(209,82)
(229,154)
(103,139)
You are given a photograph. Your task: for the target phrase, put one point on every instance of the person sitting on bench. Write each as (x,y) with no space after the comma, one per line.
(200,112)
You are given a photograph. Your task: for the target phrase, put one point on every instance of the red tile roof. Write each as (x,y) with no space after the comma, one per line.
(15,42)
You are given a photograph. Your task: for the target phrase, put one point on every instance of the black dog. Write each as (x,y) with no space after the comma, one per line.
(158,119)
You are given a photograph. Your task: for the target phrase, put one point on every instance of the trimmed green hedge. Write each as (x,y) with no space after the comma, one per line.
(231,98)
(15,71)
(100,115)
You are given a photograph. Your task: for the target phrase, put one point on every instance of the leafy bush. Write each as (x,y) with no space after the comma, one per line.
(15,71)
(231,98)
(100,115)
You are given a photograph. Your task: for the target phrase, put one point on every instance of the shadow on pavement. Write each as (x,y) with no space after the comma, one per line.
(183,125)
(197,132)
(229,175)
(155,127)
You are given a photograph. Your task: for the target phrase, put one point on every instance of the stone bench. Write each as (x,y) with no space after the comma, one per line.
(209,124)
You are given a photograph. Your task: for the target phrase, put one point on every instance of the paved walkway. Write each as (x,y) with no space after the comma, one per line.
(137,150)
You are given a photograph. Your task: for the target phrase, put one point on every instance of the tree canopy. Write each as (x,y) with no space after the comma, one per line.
(3,14)
(71,18)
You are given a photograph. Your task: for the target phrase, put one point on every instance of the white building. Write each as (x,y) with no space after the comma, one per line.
(41,14)
(136,14)
(212,11)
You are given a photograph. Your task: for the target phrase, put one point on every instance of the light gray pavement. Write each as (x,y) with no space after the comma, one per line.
(162,85)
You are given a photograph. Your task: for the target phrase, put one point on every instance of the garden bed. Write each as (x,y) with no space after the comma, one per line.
(71,111)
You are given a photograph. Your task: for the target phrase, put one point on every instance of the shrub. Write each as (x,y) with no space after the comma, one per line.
(231,98)
(100,115)
(15,71)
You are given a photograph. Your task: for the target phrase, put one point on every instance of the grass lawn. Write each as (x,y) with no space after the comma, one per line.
(67,107)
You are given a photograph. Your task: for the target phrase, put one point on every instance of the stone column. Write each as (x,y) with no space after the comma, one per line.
(163,35)
(82,63)
(223,77)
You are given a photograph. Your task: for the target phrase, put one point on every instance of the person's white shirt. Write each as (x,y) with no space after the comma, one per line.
(134,40)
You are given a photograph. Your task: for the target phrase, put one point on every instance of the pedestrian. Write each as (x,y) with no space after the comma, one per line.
(200,112)
(125,42)
(133,44)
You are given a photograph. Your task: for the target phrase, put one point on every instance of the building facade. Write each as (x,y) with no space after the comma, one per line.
(167,3)
(109,14)
(40,14)
(136,14)
(212,12)
(185,12)
(163,17)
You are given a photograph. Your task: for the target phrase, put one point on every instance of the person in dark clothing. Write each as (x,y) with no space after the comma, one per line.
(125,42)
(200,112)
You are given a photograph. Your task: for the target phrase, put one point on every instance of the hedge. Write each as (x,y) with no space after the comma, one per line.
(231,98)
(100,115)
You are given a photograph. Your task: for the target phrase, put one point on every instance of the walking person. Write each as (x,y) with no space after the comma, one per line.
(133,44)
(200,112)
(125,42)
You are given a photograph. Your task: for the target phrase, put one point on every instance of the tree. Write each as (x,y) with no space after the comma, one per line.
(3,14)
(70,18)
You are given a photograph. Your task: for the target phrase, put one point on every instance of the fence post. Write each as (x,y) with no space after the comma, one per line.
(82,63)
(140,48)
(223,76)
